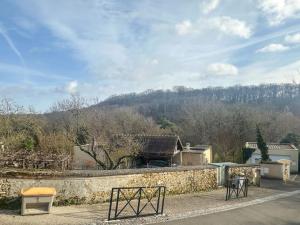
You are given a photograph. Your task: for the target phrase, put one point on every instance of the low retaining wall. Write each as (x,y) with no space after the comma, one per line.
(78,187)
(77,190)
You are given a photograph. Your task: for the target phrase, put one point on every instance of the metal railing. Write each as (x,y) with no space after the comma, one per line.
(136,199)
(236,188)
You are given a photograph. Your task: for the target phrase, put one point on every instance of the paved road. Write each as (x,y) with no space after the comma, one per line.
(285,211)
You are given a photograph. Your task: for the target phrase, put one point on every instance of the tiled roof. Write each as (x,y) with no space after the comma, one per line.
(272,146)
(159,145)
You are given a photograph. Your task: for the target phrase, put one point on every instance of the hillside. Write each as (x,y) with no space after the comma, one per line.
(279,97)
(226,118)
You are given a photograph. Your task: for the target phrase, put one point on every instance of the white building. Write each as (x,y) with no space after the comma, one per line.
(276,152)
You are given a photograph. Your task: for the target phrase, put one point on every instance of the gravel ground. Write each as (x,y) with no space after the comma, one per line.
(175,207)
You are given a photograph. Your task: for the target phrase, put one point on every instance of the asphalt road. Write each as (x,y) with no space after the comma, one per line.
(285,211)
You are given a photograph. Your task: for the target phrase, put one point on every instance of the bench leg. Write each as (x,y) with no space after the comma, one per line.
(23,208)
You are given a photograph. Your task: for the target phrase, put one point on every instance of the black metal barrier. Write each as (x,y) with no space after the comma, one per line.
(236,188)
(136,199)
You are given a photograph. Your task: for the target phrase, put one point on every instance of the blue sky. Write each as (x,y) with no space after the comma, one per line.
(53,48)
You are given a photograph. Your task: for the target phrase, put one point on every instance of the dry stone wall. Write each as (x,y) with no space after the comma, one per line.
(248,171)
(72,190)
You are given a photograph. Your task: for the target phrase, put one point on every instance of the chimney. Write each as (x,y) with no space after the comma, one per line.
(188,146)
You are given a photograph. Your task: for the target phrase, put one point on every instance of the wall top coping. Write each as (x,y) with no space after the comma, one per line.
(41,174)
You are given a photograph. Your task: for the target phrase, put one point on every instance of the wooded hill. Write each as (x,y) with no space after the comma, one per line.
(223,117)
(235,94)
(226,118)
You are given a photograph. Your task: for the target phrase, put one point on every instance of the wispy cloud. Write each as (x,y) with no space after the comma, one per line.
(11,44)
(249,43)
(20,71)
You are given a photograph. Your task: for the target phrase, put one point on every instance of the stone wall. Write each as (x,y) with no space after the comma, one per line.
(243,170)
(77,190)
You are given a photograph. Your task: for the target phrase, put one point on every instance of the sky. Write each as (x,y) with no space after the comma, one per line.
(51,49)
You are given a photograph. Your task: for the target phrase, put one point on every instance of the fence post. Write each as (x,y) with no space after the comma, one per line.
(163,201)
(226,174)
(158,200)
(110,202)
(117,203)
(139,201)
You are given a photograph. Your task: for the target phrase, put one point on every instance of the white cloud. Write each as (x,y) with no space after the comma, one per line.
(277,11)
(232,26)
(274,48)
(293,39)
(184,27)
(222,69)
(208,6)
(72,87)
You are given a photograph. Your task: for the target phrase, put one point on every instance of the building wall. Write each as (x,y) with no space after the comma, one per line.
(208,155)
(292,154)
(97,189)
(185,158)
(273,170)
(192,159)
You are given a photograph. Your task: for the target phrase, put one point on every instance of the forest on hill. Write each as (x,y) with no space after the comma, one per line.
(277,96)
(225,118)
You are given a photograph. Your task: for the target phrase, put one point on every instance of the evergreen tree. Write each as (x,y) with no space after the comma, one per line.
(262,146)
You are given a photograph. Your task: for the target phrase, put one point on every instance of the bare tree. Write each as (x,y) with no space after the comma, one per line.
(110,153)
(94,130)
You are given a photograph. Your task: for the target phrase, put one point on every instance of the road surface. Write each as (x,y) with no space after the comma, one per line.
(284,211)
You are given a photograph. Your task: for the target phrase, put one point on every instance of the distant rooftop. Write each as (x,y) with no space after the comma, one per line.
(158,145)
(199,148)
(273,146)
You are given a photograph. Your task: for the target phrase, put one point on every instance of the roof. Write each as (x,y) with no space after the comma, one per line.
(160,146)
(273,146)
(197,148)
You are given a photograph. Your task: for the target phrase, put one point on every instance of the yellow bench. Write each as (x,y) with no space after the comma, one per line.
(37,200)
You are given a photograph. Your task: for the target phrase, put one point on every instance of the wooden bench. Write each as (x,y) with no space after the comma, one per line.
(37,200)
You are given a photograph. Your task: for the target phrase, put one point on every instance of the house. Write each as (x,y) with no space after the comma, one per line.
(167,150)
(192,156)
(158,150)
(277,151)
(206,150)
